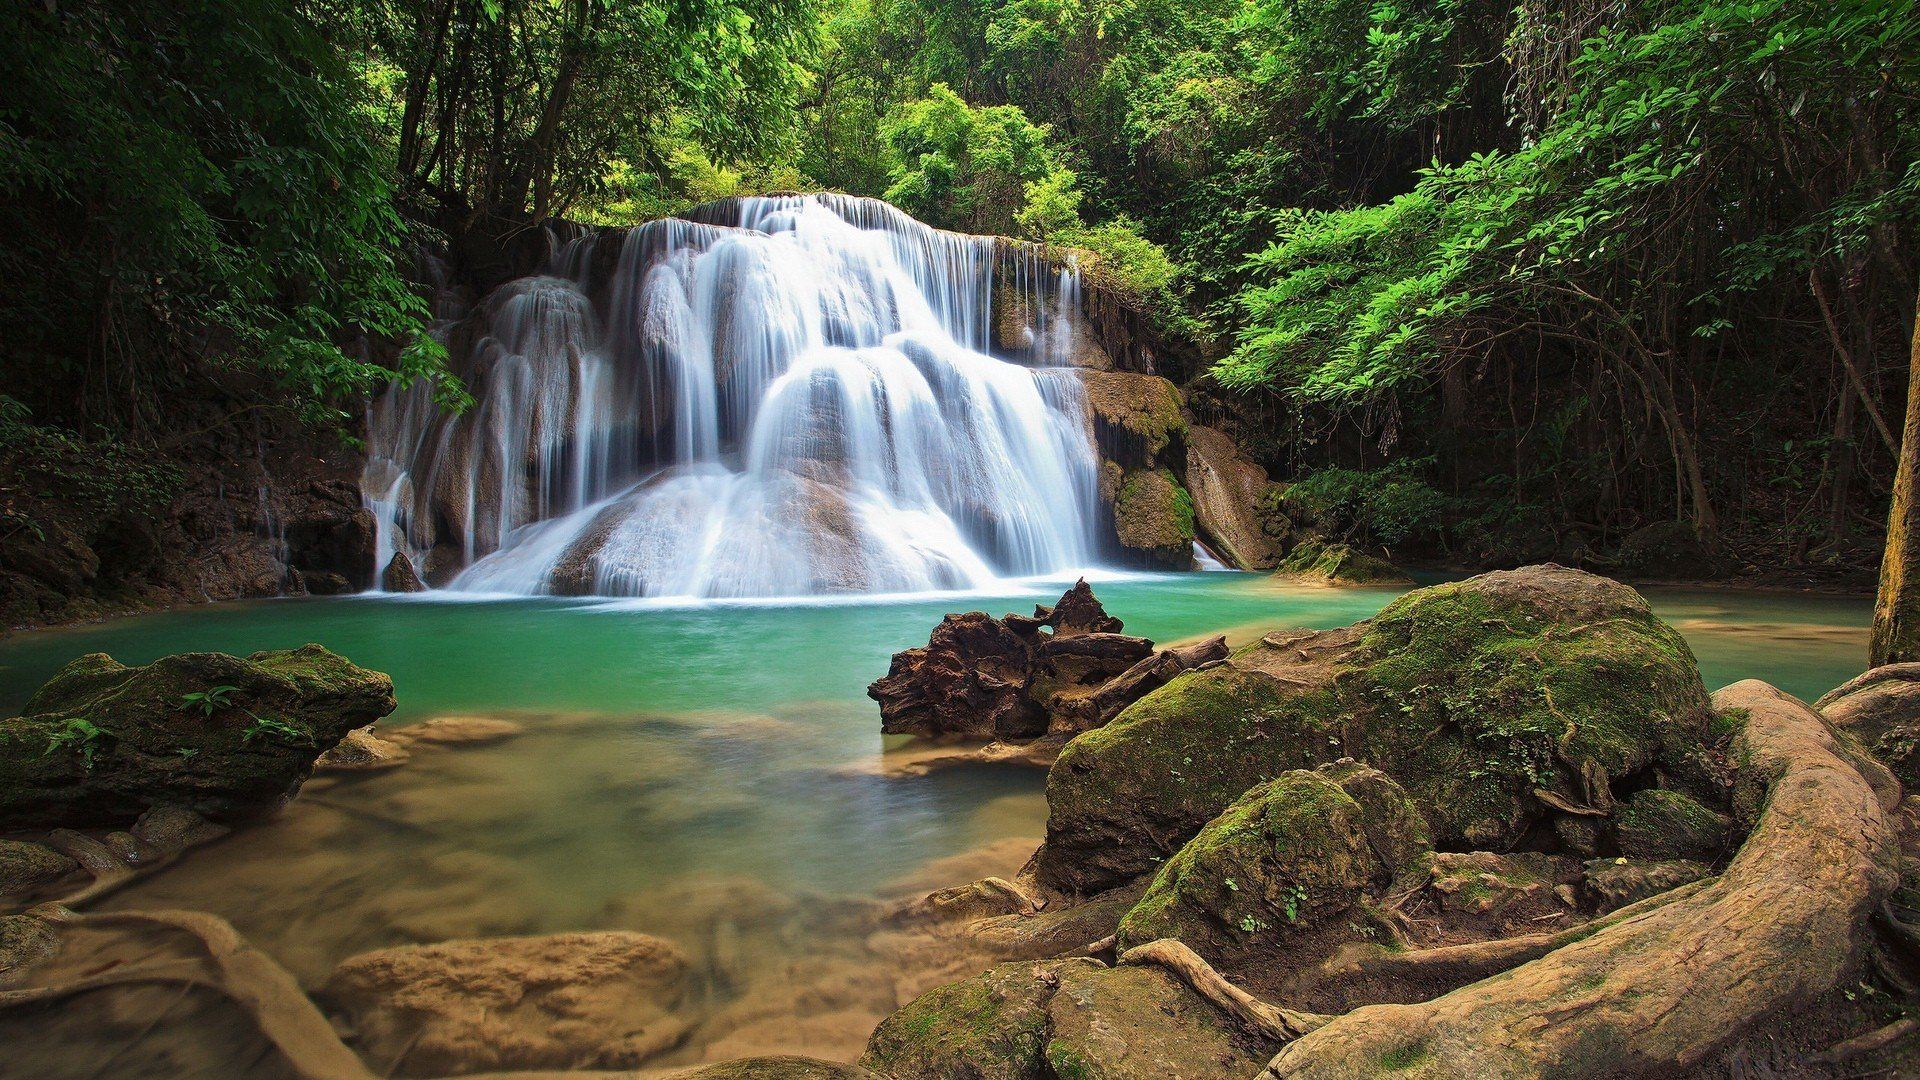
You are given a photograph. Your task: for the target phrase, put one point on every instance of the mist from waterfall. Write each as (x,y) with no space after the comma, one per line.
(776,396)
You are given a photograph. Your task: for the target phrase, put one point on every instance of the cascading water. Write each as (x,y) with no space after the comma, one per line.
(782,396)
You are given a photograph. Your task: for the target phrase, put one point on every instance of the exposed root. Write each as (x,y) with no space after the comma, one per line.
(1877,1039)
(1659,988)
(1458,965)
(1280,1025)
(1023,902)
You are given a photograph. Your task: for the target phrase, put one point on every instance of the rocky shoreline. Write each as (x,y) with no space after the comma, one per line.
(1392,848)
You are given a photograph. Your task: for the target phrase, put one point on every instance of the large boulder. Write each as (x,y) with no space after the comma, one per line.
(1230,492)
(222,736)
(1062,1018)
(1882,710)
(566,1000)
(1294,854)
(1502,704)
(1153,519)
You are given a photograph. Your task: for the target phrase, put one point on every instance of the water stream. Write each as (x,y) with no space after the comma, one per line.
(779,396)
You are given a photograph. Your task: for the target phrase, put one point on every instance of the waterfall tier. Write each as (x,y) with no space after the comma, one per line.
(771,397)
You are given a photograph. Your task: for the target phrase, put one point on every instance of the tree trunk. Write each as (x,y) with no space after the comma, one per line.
(1896,614)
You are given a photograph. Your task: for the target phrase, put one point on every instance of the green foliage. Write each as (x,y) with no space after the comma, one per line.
(80,737)
(1391,504)
(266,727)
(972,168)
(208,701)
(191,177)
(96,476)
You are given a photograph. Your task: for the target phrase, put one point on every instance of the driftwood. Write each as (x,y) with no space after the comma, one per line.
(1668,985)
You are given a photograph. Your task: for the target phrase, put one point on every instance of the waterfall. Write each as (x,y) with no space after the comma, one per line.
(768,397)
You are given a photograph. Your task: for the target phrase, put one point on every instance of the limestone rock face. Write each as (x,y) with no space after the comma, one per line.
(400,576)
(1061,1018)
(1153,519)
(1136,419)
(600,999)
(1228,490)
(1498,703)
(222,736)
(1293,854)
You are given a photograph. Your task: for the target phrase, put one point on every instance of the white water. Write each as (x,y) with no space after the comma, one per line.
(795,402)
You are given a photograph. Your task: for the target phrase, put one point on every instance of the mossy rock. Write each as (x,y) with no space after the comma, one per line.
(1293,854)
(1657,824)
(1062,1020)
(1137,421)
(1123,797)
(222,736)
(1153,519)
(1472,696)
(1477,693)
(1337,564)
(993,1026)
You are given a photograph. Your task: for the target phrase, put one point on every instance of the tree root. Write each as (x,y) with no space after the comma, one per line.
(1280,1025)
(1458,965)
(1660,987)
(1877,1039)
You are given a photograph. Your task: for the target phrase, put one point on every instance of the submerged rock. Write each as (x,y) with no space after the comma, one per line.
(222,736)
(566,1000)
(1292,855)
(1498,703)
(1337,564)
(1230,491)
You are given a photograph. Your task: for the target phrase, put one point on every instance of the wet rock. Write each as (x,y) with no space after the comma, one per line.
(400,576)
(1657,824)
(602,999)
(1153,519)
(25,868)
(362,751)
(1498,703)
(222,736)
(1230,491)
(1882,710)
(1137,422)
(25,940)
(1322,563)
(454,731)
(1615,883)
(1294,854)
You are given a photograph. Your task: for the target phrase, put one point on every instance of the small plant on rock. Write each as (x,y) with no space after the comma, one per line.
(208,701)
(80,736)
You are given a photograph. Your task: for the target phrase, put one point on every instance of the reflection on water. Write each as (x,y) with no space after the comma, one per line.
(694,773)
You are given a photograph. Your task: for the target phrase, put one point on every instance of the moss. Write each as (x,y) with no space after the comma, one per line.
(1121,795)
(1336,564)
(992,1026)
(1153,513)
(1477,695)
(1406,1058)
(1293,854)
(1657,824)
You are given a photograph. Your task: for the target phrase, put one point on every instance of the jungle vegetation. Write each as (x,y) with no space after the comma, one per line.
(1494,281)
